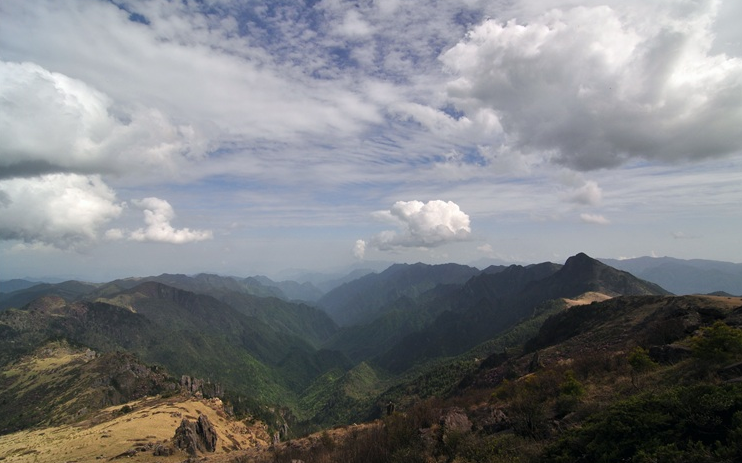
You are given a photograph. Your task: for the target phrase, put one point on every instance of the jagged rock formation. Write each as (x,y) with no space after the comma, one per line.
(193,437)
(199,387)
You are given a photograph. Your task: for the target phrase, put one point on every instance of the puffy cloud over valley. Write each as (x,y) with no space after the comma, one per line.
(424,225)
(61,210)
(157,215)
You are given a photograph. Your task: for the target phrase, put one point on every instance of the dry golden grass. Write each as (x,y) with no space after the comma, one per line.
(109,434)
(586,298)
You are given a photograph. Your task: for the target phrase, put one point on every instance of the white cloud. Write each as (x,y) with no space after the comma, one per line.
(486,249)
(353,25)
(193,66)
(425,225)
(595,219)
(588,194)
(52,123)
(58,136)
(157,215)
(61,210)
(591,87)
(359,249)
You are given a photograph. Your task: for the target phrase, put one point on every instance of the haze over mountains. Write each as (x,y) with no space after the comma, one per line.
(694,276)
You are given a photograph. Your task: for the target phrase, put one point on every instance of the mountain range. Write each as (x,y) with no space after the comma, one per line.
(295,355)
(693,276)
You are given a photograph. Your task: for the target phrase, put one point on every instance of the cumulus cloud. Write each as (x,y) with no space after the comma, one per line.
(157,215)
(591,87)
(425,225)
(50,122)
(595,219)
(359,249)
(60,210)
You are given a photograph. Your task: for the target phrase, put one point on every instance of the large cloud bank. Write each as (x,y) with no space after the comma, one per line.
(58,136)
(422,225)
(61,210)
(592,87)
(50,122)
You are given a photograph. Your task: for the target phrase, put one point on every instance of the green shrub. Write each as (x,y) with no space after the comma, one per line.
(718,344)
(699,423)
(640,361)
(570,386)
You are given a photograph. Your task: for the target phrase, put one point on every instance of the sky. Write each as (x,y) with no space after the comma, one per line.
(248,137)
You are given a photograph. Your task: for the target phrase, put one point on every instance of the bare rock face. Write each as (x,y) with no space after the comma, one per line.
(454,421)
(193,437)
(200,388)
(207,433)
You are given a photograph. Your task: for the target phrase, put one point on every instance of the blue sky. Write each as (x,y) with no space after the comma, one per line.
(141,137)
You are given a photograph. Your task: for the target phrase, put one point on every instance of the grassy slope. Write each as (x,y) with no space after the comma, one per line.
(71,387)
(109,433)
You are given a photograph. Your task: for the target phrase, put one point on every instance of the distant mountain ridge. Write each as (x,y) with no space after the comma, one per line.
(69,290)
(16,284)
(693,276)
(360,300)
(490,303)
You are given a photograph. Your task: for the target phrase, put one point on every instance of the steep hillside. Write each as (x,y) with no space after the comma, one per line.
(632,378)
(68,290)
(188,333)
(490,303)
(254,297)
(394,321)
(60,384)
(297,319)
(360,301)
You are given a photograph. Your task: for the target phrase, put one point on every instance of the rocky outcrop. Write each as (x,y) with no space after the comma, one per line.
(454,422)
(193,437)
(200,388)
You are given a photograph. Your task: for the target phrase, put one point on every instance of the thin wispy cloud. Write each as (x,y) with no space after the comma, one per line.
(595,219)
